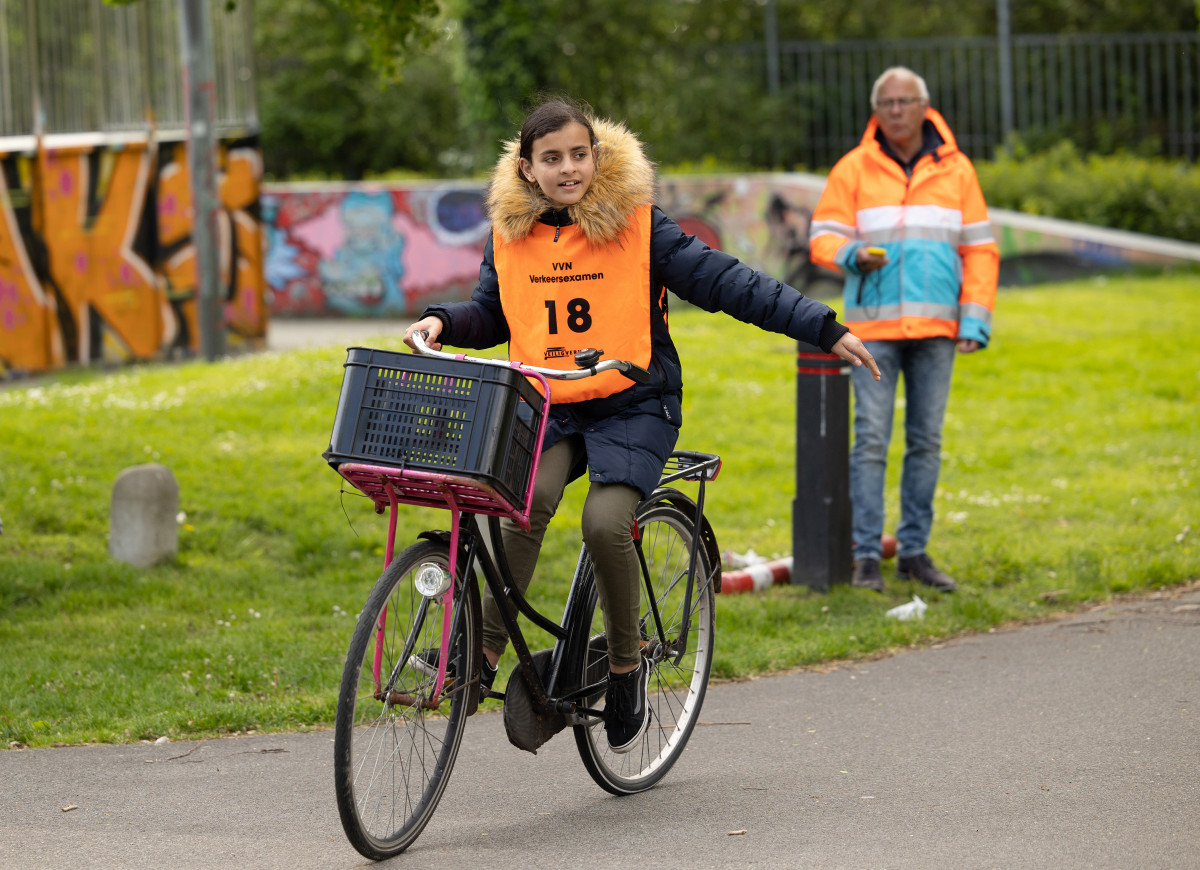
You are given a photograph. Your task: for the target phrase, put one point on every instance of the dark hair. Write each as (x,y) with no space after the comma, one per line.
(548,117)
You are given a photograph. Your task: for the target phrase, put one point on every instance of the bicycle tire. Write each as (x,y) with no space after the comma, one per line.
(393,760)
(676,691)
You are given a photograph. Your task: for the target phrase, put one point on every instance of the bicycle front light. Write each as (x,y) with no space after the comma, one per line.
(432,580)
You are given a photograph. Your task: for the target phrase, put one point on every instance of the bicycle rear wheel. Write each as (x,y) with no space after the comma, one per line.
(393,751)
(676,689)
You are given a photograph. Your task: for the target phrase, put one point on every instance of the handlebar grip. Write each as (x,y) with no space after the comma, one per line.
(637,374)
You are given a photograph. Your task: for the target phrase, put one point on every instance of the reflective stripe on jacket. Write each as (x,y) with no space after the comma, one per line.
(943,266)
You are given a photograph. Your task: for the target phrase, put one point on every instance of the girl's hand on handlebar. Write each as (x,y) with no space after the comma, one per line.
(850,348)
(432,326)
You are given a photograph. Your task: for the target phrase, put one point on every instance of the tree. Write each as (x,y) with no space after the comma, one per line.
(327,109)
(391,28)
(602,52)
(349,87)
(880,19)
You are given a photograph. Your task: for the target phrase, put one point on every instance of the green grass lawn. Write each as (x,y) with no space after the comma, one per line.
(1069,476)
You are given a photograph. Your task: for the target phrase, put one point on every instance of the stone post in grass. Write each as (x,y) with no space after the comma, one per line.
(142,526)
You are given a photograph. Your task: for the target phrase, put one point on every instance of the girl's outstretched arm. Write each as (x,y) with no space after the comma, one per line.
(850,348)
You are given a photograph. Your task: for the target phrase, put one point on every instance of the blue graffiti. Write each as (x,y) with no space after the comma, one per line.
(280,267)
(1099,253)
(457,216)
(364,275)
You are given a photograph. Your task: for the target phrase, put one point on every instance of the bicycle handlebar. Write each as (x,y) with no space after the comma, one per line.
(588,360)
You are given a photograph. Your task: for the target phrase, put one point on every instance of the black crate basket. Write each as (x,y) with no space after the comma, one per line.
(408,411)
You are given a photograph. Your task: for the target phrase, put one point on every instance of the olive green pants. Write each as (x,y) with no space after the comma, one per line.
(607,519)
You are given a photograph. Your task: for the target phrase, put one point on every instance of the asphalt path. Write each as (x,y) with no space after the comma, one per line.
(298,332)
(1070,743)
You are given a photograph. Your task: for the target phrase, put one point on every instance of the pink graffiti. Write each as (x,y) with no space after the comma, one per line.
(430,265)
(10,307)
(81,262)
(323,232)
(66,181)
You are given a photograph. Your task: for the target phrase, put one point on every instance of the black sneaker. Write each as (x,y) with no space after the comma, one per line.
(867,575)
(626,713)
(426,662)
(920,567)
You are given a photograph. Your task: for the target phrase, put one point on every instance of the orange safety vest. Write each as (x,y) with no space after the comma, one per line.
(563,296)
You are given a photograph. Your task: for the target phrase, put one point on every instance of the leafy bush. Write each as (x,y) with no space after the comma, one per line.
(1121,191)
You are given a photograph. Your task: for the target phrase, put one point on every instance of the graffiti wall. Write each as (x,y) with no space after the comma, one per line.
(383,250)
(764,220)
(96,258)
(371,251)
(389,250)
(97,262)
(761,219)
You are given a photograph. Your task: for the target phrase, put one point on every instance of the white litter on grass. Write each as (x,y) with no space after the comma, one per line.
(914,609)
(743,560)
(162,740)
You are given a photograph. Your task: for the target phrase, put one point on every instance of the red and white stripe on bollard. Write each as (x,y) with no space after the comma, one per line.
(757,577)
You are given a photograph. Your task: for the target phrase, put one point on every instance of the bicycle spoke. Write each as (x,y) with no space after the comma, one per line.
(676,689)
(394,746)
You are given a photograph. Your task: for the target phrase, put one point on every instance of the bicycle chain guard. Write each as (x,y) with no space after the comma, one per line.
(527,728)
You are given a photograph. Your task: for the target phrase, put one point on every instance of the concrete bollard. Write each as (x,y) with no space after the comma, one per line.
(142,526)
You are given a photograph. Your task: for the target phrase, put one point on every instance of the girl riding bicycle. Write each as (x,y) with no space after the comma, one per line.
(581,257)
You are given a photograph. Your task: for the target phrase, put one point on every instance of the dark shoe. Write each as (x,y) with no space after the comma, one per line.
(426,662)
(866,575)
(626,713)
(920,567)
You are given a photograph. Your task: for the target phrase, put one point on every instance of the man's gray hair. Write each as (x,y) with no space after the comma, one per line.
(901,72)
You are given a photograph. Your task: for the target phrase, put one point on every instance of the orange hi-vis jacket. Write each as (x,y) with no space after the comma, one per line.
(943,266)
(561,294)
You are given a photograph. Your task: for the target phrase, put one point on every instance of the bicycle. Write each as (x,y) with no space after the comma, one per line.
(397,729)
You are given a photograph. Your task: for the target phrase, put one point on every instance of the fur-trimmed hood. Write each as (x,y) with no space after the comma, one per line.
(623,181)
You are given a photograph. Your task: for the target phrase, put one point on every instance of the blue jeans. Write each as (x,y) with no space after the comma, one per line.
(927,365)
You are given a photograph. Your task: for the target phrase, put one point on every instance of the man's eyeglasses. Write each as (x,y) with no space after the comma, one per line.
(902,102)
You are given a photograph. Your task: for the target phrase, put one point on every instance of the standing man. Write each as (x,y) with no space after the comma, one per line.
(902,216)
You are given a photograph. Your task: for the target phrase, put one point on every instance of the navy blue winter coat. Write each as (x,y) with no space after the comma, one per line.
(629,435)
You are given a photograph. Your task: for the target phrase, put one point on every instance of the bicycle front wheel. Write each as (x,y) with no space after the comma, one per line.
(393,747)
(677,688)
